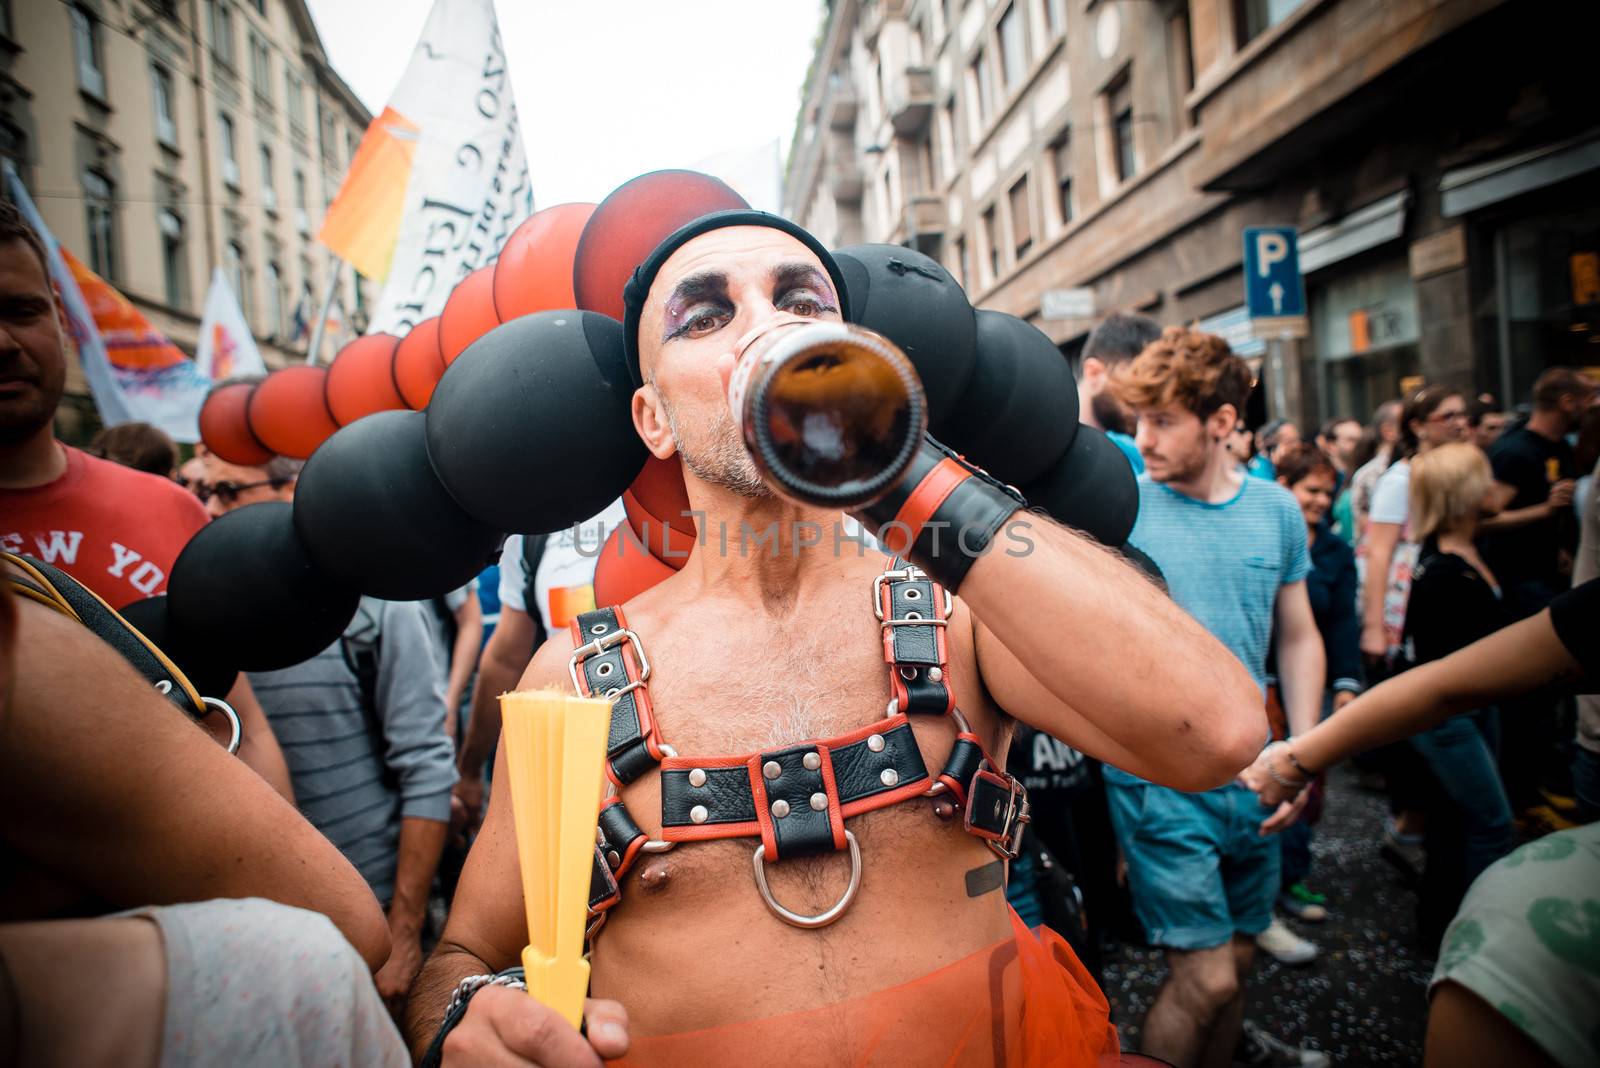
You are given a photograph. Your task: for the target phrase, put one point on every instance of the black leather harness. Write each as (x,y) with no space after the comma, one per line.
(795,799)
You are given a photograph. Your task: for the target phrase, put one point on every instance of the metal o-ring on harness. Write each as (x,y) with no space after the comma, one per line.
(828,915)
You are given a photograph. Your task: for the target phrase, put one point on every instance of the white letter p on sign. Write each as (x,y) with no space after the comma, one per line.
(1270,248)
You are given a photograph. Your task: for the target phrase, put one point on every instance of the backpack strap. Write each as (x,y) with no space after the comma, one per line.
(533,548)
(361,645)
(48,585)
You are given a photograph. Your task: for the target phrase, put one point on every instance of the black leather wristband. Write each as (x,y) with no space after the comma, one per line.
(943,514)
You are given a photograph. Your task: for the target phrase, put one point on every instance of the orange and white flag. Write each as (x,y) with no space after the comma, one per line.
(440,179)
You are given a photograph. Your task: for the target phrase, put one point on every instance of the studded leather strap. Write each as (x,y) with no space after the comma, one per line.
(795,799)
(608,661)
(911,610)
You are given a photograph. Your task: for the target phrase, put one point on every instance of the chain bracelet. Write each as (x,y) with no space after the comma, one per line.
(1273,771)
(469,986)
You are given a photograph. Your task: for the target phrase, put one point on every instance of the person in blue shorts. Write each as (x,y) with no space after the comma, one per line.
(1233,549)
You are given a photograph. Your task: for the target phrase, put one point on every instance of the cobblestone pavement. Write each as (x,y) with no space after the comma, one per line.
(1364,1000)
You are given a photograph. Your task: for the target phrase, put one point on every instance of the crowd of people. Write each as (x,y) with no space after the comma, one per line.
(1362,574)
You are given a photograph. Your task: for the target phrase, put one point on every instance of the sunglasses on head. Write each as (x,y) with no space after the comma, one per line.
(228,492)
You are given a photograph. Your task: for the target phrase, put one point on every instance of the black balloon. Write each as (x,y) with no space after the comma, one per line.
(375,517)
(1019,412)
(1091,488)
(530,429)
(247,592)
(213,678)
(914,302)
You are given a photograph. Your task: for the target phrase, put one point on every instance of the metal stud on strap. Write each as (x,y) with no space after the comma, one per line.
(821,919)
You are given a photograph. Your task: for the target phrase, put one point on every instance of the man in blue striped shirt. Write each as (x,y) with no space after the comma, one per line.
(1233,550)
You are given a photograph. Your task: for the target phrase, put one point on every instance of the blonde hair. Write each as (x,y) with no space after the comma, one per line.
(1448,485)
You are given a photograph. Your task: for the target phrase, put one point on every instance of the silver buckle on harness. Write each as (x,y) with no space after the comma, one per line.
(909,573)
(1018,816)
(600,645)
(821,919)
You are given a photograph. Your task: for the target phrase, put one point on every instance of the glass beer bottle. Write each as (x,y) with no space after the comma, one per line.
(831,413)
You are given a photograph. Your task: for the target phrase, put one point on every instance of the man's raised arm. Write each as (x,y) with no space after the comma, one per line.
(1075,641)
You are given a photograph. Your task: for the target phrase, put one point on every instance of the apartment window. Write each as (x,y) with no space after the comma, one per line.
(991,240)
(1180,46)
(302,221)
(260,6)
(947,141)
(1013,47)
(261,68)
(983,89)
(269,189)
(99,204)
(1061,160)
(174,260)
(351,143)
(1255,17)
(1055,17)
(963,263)
(1120,100)
(1021,219)
(233,268)
(161,90)
(230,152)
(86,45)
(274,301)
(5,18)
(295,99)
(329,138)
(222,32)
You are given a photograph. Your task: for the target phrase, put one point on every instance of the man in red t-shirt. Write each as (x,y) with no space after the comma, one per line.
(113,529)
(116,530)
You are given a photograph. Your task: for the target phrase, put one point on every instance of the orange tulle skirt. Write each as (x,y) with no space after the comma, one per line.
(1025,1001)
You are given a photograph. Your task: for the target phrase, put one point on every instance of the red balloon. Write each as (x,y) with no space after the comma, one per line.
(468,314)
(226,431)
(534,271)
(418,363)
(624,569)
(289,411)
(631,222)
(657,505)
(361,379)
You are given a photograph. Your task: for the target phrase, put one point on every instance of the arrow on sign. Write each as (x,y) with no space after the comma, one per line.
(1276,293)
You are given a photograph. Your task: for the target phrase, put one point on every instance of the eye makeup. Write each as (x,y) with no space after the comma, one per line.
(691,299)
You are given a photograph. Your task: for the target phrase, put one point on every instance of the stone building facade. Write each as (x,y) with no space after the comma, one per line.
(163,138)
(1440,160)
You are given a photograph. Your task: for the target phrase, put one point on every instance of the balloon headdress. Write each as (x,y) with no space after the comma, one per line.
(510,412)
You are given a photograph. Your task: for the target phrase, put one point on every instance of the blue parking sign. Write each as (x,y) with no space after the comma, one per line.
(1272,285)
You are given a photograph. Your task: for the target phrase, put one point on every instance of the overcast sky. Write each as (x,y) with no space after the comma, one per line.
(607,89)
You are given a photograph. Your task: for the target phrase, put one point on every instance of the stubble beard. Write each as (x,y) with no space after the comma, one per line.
(1111,415)
(719,460)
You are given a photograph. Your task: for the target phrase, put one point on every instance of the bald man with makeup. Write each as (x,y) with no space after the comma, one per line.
(875,918)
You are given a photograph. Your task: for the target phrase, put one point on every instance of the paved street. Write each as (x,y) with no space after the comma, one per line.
(1363,1001)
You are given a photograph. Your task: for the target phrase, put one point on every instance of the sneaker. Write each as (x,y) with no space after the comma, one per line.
(1405,853)
(1303,903)
(1256,1047)
(1285,946)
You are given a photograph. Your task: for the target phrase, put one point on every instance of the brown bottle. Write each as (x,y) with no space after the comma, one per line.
(831,413)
